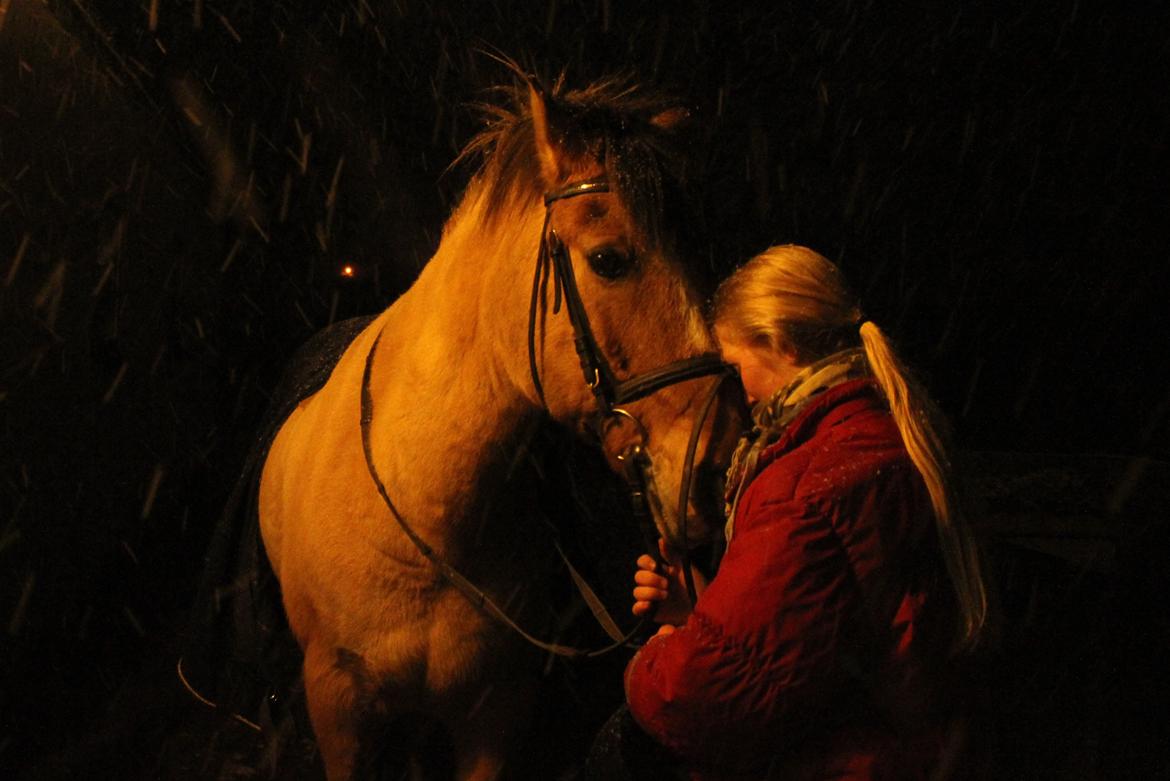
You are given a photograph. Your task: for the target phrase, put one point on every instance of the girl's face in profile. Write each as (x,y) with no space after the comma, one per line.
(762,371)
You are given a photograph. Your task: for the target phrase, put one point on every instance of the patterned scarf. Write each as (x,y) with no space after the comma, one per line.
(770,418)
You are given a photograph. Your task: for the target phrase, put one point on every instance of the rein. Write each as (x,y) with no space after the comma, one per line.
(553,257)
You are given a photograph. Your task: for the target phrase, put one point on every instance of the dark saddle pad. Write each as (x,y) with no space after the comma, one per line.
(239,650)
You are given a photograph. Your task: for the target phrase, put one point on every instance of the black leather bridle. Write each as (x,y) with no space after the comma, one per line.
(607,389)
(599,377)
(609,393)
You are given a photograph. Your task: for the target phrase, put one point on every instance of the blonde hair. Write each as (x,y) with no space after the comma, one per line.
(791,299)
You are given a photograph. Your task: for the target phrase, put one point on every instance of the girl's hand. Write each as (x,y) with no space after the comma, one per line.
(660,591)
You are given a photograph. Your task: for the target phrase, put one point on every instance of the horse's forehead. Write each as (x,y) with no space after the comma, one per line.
(597,217)
(595,213)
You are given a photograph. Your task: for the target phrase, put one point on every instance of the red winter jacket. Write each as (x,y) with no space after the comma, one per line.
(812,653)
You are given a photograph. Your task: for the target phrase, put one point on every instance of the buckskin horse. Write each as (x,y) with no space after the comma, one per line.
(385,505)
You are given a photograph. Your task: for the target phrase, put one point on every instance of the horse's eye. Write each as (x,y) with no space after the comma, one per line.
(610,263)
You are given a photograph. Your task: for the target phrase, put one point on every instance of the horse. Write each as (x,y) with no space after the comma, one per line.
(385,494)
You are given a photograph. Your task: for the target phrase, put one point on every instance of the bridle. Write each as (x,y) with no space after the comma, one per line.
(609,392)
(600,378)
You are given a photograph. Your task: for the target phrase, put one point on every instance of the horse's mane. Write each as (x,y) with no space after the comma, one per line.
(650,168)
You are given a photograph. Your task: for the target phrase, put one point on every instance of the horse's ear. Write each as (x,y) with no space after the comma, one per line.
(670,119)
(547,150)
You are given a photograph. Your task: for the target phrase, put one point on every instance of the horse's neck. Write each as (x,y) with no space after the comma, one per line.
(449,408)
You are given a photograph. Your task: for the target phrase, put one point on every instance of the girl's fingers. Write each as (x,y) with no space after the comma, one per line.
(647,594)
(647,562)
(642,607)
(644,578)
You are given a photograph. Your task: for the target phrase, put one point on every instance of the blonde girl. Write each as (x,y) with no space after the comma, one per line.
(822,647)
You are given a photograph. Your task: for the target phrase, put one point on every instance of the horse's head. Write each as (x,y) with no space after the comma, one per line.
(612,169)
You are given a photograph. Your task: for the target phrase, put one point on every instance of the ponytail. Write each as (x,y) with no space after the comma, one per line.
(791,298)
(923,429)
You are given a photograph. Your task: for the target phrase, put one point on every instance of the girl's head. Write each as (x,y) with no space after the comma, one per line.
(791,301)
(789,307)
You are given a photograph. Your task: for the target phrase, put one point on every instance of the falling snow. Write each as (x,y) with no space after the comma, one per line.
(189,190)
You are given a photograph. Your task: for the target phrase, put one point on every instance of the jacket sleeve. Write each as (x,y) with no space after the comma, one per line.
(761,652)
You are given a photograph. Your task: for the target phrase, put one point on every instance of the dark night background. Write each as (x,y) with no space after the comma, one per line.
(181,183)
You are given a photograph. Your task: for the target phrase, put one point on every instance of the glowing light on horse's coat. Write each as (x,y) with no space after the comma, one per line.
(455,397)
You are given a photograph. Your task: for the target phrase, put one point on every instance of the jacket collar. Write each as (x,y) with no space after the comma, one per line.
(826,410)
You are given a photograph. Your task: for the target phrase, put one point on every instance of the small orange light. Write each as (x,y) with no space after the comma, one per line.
(347,271)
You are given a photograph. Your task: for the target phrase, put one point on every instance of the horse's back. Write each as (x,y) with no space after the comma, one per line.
(311,366)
